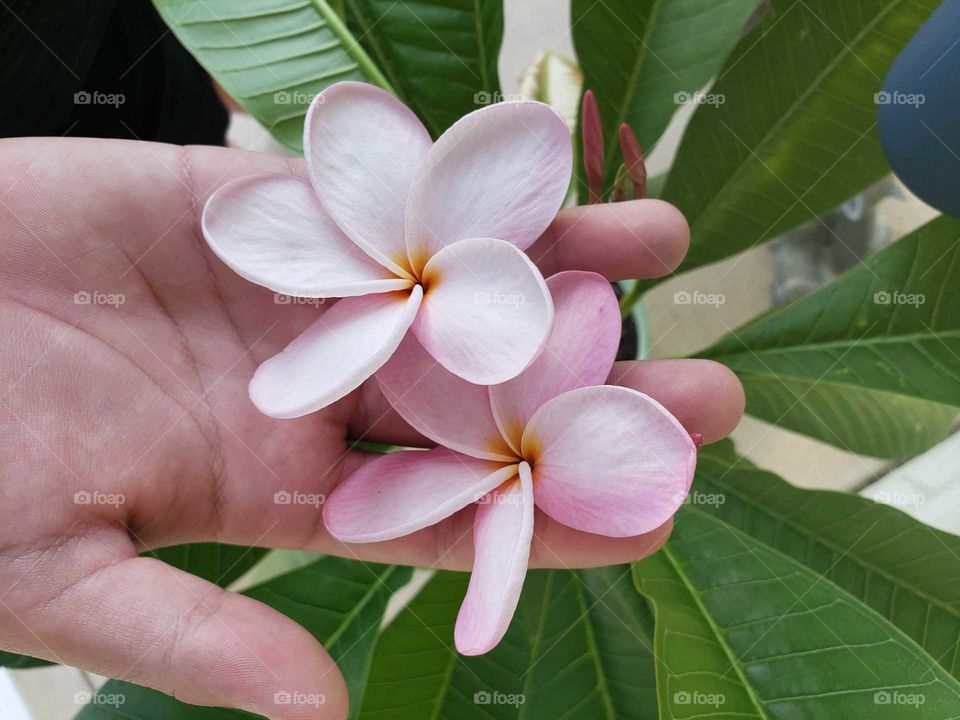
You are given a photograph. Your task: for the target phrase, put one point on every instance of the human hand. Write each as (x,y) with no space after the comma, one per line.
(147,399)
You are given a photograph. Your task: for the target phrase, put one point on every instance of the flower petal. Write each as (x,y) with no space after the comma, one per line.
(403,492)
(333,356)
(363,148)
(447,409)
(609,460)
(501,171)
(502,532)
(580,350)
(272,230)
(486,310)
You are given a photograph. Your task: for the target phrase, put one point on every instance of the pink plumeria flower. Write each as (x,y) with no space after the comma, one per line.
(412,234)
(598,458)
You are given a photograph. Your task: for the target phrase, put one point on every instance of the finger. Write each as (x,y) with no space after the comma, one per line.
(449,545)
(140,620)
(635,239)
(705,396)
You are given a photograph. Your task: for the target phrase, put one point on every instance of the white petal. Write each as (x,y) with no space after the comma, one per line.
(499,172)
(486,310)
(402,492)
(272,230)
(447,409)
(609,460)
(502,533)
(363,148)
(333,356)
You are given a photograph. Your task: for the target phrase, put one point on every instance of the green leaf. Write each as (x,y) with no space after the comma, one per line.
(272,56)
(593,650)
(862,421)
(417,672)
(744,631)
(636,55)
(220,564)
(440,55)
(340,602)
(906,571)
(578,647)
(795,135)
(869,361)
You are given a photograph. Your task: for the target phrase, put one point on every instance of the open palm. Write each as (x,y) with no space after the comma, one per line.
(128,347)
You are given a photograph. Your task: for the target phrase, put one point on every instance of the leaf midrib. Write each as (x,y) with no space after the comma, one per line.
(719,636)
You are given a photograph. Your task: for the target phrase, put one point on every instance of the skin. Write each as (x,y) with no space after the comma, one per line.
(149,400)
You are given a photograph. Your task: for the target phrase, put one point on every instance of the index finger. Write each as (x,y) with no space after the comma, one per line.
(621,241)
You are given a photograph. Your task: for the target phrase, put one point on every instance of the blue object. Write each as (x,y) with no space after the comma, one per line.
(918,111)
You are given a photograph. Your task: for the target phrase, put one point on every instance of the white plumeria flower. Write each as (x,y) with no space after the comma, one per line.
(413,235)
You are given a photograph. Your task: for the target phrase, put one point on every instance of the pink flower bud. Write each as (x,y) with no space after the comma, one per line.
(593,156)
(633,159)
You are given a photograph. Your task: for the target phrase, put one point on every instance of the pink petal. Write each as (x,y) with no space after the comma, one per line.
(403,492)
(609,460)
(272,230)
(333,356)
(486,310)
(447,409)
(502,532)
(500,172)
(579,351)
(363,148)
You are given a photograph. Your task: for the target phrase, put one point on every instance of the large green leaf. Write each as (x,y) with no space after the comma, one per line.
(220,564)
(272,56)
(579,647)
(795,134)
(340,602)
(868,362)
(744,631)
(906,571)
(593,651)
(638,55)
(417,673)
(440,55)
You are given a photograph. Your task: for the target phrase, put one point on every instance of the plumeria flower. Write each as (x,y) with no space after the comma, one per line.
(598,458)
(413,235)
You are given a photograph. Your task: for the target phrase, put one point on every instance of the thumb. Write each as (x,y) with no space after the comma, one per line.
(143,621)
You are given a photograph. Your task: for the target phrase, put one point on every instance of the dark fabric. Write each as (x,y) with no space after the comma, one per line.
(107,68)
